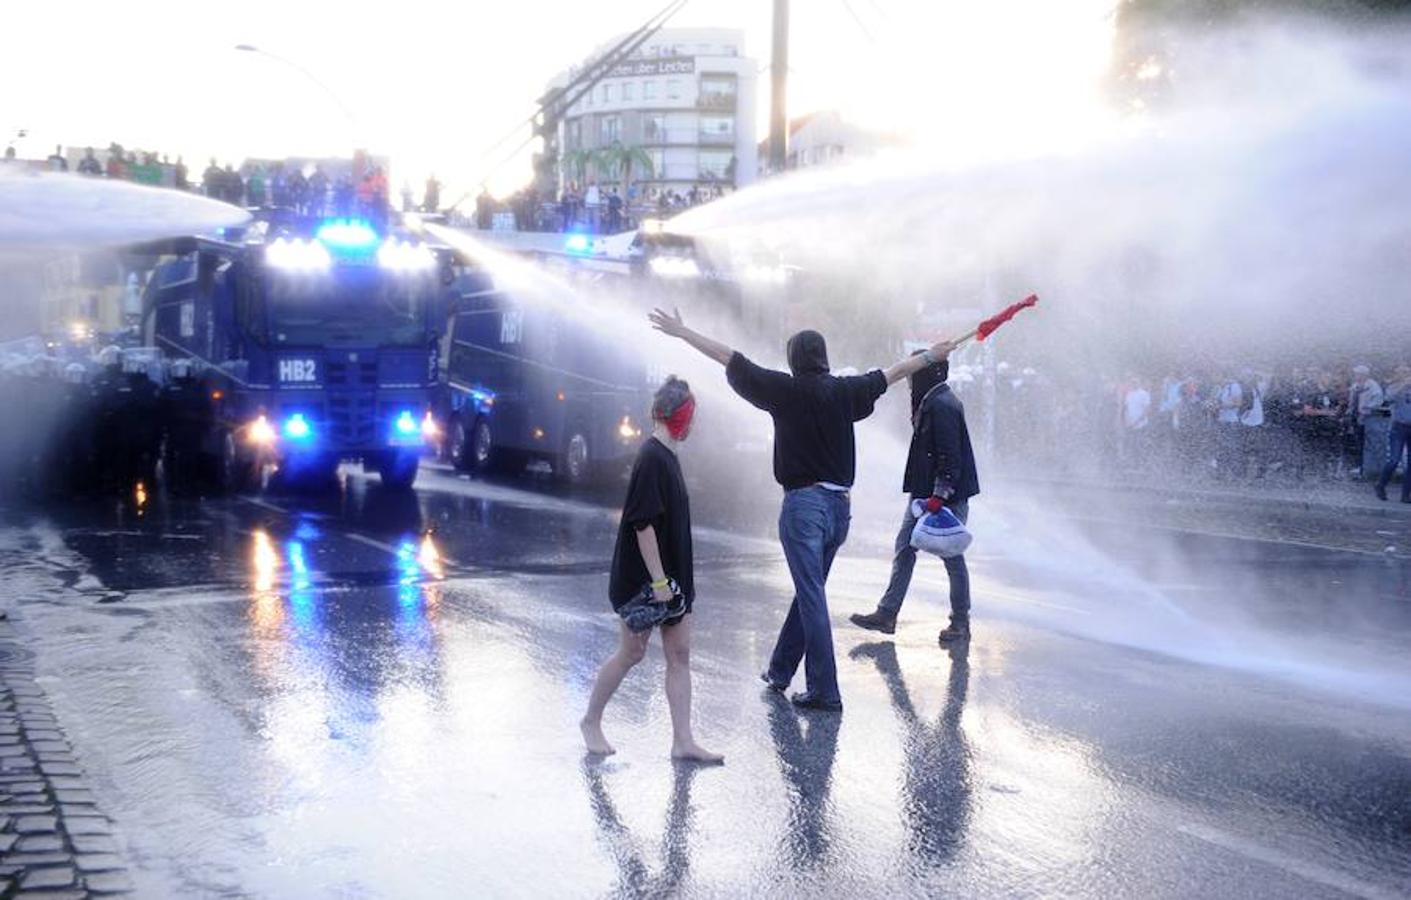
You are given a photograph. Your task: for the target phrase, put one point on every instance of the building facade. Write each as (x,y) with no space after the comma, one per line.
(825,137)
(686,99)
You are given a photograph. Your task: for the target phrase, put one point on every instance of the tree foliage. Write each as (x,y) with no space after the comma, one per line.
(1149,33)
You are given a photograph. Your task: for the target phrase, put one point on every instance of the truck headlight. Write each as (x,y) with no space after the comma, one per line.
(261,432)
(429,429)
(627,431)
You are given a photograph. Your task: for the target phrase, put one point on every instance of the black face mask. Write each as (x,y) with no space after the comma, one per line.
(923,381)
(808,354)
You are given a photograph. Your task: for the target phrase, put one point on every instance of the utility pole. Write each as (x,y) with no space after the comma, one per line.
(779,82)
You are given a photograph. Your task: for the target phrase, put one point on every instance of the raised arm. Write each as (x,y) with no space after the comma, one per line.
(670,324)
(912,364)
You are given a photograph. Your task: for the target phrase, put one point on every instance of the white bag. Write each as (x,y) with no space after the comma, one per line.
(941,533)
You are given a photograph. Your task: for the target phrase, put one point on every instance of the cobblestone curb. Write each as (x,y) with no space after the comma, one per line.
(54,841)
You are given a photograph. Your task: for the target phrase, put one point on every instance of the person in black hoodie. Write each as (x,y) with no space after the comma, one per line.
(815,460)
(940,465)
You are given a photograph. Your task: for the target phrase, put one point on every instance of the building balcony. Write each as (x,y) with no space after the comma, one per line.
(716,138)
(716,102)
(669,138)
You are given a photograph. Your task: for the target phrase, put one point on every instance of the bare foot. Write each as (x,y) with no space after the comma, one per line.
(697,753)
(593,737)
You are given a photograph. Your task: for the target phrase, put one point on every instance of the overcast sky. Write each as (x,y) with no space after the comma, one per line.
(434,84)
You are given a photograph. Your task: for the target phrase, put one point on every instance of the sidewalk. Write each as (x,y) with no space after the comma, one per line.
(53,836)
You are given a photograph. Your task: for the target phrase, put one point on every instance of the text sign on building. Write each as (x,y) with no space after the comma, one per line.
(685,65)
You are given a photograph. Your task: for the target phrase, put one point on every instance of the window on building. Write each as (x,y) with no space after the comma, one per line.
(607,93)
(654,128)
(715,165)
(718,91)
(609,128)
(573,135)
(649,90)
(717,130)
(673,88)
(628,91)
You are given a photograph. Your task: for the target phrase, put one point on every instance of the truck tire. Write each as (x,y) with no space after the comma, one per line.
(398,470)
(458,447)
(482,453)
(575,463)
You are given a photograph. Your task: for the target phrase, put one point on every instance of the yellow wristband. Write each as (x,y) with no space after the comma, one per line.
(661,584)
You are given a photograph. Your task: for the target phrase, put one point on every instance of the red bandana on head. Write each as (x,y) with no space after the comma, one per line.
(678,424)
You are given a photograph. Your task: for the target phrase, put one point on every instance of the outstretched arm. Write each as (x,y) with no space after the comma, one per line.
(912,364)
(670,324)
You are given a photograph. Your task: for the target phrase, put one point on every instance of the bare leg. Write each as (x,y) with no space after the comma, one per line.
(629,652)
(676,643)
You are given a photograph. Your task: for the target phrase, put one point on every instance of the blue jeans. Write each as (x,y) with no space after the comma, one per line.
(812,526)
(1397,442)
(904,561)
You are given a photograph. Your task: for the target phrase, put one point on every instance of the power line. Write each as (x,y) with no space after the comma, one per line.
(861,26)
(595,71)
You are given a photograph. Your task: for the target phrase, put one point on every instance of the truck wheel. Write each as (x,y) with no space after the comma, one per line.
(398,470)
(459,446)
(575,464)
(482,446)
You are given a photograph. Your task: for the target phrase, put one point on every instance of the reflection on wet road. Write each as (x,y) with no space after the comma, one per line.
(375,694)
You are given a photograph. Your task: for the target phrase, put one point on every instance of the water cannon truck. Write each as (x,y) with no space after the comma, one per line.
(302,348)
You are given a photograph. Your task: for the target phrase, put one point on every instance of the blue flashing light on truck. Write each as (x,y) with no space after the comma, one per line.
(314,350)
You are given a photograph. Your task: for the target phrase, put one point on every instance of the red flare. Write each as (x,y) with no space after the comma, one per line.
(989,326)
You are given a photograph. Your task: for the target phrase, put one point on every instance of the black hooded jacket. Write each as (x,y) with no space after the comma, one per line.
(940,454)
(813,411)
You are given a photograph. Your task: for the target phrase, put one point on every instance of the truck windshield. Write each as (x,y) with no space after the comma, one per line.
(349,305)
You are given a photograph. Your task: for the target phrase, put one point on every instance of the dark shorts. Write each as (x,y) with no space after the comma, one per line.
(640,613)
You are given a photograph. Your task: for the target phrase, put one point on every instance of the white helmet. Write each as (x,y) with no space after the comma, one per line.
(181,368)
(133,364)
(110,356)
(74,373)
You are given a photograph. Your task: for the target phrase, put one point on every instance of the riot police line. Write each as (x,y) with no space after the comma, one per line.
(101,425)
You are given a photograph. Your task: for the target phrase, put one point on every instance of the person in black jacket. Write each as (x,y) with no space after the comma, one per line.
(940,464)
(815,459)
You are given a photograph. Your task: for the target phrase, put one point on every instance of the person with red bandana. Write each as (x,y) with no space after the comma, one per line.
(652,581)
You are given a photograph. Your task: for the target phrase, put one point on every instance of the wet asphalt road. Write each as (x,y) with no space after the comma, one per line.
(371,694)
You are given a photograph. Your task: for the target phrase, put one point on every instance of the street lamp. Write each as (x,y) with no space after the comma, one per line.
(343,107)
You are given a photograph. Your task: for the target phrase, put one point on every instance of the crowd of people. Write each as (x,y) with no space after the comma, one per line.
(1303,423)
(139,166)
(254,184)
(290,187)
(1297,425)
(590,209)
(594,209)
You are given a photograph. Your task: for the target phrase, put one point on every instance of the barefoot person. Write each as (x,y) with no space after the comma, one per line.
(814,461)
(654,549)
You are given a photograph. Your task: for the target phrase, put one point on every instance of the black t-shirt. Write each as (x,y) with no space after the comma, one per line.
(656,496)
(813,418)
